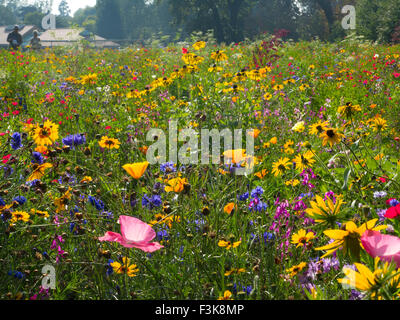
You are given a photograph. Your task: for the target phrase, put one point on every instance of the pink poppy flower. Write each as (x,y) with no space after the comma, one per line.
(383,246)
(134,234)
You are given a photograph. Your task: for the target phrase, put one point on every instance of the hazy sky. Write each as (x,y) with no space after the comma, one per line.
(74,5)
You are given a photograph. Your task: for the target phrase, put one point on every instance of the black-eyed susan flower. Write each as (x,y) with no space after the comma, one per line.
(228,244)
(20,216)
(379,124)
(348,110)
(349,238)
(331,136)
(219,56)
(267,96)
(109,143)
(45,134)
(292,183)
(88,79)
(296,269)
(304,160)
(227,296)
(325,212)
(234,271)
(39,171)
(199,45)
(62,201)
(302,238)
(318,128)
(125,268)
(279,167)
(382,281)
(41,214)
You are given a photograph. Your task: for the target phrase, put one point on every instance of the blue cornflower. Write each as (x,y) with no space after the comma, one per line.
(268,237)
(257,192)
(150,203)
(96,203)
(107,214)
(245,289)
(167,167)
(244,196)
(16,141)
(16,274)
(74,140)
(257,205)
(37,157)
(162,235)
(109,267)
(2,202)
(20,199)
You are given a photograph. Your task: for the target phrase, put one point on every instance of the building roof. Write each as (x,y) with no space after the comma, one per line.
(64,37)
(5,30)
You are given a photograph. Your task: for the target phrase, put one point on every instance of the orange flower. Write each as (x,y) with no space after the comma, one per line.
(176,185)
(254,133)
(136,170)
(229,207)
(143,149)
(236,156)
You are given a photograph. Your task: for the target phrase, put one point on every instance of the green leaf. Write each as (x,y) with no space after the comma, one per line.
(346,176)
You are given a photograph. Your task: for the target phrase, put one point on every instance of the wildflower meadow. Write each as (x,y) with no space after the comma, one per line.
(93,206)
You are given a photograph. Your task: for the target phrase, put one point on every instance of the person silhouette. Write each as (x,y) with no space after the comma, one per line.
(14,38)
(35,41)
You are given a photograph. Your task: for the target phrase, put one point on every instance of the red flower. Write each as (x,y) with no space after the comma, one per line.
(393,212)
(6,158)
(184,50)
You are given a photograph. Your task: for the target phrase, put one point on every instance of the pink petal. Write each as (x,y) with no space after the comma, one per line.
(111,236)
(383,246)
(150,247)
(135,230)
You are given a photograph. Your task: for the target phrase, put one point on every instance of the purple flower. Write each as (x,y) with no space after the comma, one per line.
(257,192)
(167,167)
(37,157)
(74,140)
(16,141)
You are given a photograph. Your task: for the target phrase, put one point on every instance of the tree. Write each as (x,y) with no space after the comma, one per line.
(64,9)
(34,18)
(108,22)
(271,15)
(367,18)
(225,17)
(6,16)
(83,14)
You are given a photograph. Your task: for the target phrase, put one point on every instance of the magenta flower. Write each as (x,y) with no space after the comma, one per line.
(383,246)
(134,234)
(393,212)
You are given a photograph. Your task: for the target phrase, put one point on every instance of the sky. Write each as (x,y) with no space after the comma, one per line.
(74,5)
